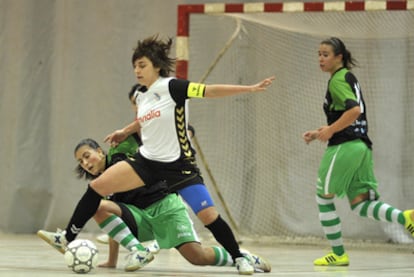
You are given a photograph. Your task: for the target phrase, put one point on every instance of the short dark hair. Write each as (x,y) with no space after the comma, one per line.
(157,51)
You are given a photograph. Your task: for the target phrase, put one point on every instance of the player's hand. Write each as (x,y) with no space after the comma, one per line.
(325,133)
(115,138)
(264,84)
(309,136)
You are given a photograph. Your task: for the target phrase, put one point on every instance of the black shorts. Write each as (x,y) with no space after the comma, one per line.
(179,174)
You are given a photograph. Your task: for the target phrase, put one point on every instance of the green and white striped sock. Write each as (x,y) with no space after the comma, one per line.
(331,224)
(116,228)
(222,257)
(379,211)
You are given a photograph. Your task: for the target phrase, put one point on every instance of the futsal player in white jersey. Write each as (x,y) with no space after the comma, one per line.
(166,153)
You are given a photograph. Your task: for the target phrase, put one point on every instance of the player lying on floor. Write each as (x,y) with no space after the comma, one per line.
(144,213)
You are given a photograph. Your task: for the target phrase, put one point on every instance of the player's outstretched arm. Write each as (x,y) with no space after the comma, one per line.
(212,91)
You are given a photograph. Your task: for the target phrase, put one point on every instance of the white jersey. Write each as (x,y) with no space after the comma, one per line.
(162,114)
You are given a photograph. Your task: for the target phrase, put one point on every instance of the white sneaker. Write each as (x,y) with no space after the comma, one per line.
(56,239)
(104,238)
(152,246)
(259,264)
(243,266)
(137,259)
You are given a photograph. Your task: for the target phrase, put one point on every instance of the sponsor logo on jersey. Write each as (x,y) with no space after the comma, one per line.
(151,115)
(157,96)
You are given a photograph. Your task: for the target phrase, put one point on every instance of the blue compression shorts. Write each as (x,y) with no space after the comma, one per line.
(197,197)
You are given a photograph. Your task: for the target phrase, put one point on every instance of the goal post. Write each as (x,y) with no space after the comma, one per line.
(250,149)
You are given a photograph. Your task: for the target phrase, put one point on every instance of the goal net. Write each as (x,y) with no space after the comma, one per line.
(250,149)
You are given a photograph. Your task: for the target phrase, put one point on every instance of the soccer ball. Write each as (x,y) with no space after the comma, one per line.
(81,255)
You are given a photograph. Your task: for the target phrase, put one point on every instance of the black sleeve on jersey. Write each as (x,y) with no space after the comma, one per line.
(353,82)
(117,158)
(178,90)
(349,104)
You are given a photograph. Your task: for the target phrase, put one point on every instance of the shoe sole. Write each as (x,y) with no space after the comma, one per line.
(331,264)
(246,273)
(46,239)
(339,264)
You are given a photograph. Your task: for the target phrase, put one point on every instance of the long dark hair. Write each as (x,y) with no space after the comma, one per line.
(80,172)
(339,48)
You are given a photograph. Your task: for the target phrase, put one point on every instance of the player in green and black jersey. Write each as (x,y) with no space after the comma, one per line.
(346,168)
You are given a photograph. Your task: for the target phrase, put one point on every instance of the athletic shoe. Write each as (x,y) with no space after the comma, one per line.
(137,259)
(332,260)
(409,223)
(259,264)
(104,238)
(243,266)
(152,246)
(56,239)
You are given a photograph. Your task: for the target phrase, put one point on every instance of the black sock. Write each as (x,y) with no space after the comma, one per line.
(224,235)
(86,208)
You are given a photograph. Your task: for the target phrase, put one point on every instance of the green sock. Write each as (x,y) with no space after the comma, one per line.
(331,224)
(379,211)
(116,228)
(222,257)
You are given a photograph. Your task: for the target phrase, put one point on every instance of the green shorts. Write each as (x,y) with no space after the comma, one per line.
(347,169)
(167,221)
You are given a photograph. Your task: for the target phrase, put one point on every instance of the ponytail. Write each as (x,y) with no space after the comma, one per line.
(340,49)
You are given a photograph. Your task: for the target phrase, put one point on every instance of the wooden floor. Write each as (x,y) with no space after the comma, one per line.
(27,255)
